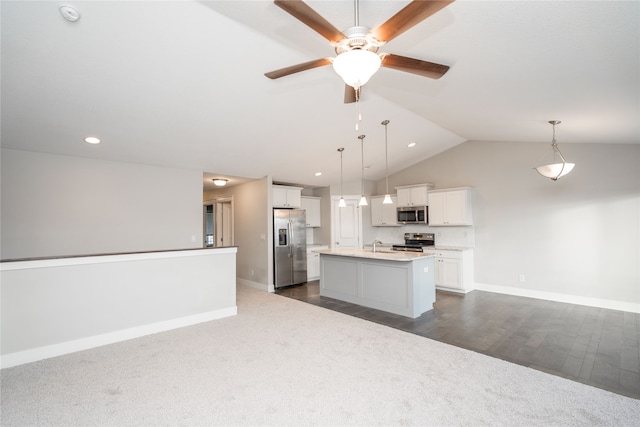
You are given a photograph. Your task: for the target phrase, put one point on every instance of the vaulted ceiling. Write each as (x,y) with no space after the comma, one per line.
(181,83)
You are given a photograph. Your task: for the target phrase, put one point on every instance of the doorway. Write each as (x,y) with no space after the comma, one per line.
(224,222)
(218,222)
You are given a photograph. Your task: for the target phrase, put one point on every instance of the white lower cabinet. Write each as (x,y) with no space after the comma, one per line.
(313,262)
(454,270)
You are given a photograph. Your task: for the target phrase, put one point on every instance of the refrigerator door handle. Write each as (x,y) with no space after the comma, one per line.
(290,237)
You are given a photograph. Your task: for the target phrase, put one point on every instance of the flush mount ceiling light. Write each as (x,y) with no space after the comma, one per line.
(555,170)
(387,197)
(363,200)
(341,203)
(220,182)
(92,140)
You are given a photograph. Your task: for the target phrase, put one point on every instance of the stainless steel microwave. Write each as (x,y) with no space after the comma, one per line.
(413,215)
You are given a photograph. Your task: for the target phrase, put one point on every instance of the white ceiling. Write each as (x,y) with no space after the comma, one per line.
(181,84)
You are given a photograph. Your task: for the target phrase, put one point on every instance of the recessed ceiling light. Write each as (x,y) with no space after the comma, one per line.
(318,173)
(413,144)
(92,140)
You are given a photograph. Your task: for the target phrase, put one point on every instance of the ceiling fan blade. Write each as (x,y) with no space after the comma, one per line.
(349,94)
(301,11)
(298,68)
(415,66)
(412,14)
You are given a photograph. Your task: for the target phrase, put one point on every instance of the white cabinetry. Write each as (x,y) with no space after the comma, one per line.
(384,215)
(450,207)
(454,270)
(312,206)
(412,195)
(313,262)
(286,197)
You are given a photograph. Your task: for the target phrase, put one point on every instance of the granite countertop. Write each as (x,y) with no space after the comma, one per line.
(381,254)
(450,248)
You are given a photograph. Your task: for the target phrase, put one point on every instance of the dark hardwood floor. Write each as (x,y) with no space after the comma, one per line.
(594,346)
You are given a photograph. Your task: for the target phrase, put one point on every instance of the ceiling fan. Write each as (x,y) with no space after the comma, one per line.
(357,46)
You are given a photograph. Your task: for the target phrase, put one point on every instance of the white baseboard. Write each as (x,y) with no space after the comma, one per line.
(46,352)
(551,296)
(255,285)
(455,291)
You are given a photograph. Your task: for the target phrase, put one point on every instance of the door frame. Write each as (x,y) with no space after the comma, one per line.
(219,223)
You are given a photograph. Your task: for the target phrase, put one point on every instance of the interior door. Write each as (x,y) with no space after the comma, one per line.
(224,222)
(347,224)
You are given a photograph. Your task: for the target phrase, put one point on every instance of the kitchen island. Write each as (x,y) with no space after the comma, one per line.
(397,282)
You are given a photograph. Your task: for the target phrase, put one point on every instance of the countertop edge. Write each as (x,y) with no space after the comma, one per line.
(385,256)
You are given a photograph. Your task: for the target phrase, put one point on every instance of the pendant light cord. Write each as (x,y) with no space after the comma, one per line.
(341,149)
(386,153)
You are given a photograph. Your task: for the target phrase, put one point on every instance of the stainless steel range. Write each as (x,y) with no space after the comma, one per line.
(416,242)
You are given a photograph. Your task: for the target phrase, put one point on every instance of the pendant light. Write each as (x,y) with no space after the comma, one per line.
(555,170)
(387,197)
(341,203)
(363,200)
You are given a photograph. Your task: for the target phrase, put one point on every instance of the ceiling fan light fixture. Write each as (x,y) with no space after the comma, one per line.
(356,66)
(220,182)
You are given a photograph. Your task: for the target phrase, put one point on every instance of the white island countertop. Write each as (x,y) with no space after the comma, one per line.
(386,255)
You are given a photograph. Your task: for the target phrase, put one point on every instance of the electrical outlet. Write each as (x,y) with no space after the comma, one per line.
(193,238)
(426,269)
(521,277)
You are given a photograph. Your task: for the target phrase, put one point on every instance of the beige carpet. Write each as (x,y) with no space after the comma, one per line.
(285,362)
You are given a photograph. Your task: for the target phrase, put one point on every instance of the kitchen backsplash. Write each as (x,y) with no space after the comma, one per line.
(444,236)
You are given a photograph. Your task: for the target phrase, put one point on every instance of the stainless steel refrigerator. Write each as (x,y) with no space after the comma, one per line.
(290,247)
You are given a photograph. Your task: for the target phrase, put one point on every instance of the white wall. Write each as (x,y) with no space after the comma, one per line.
(578,237)
(57,306)
(56,205)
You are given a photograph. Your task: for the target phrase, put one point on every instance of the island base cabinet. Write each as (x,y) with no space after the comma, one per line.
(404,288)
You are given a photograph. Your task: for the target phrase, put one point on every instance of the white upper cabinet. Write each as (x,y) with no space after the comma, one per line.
(384,215)
(312,206)
(413,195)
(286,197)
(450,207)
